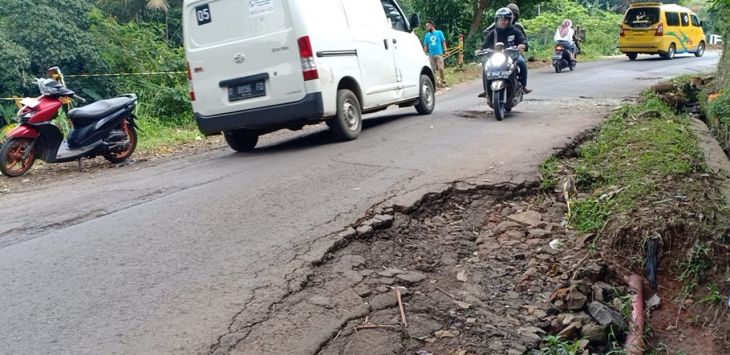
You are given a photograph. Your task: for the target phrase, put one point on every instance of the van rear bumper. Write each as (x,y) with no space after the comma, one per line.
(310,108)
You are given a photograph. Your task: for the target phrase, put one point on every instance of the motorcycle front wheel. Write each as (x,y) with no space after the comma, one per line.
(131,141)
(498,105)
(12,160)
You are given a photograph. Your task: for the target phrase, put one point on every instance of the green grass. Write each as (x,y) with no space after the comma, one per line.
(691,270)
(719,108)
(549,173)
(456,75)
(554,345)
(589,215)
(714,297)
(637,150)
(156,133)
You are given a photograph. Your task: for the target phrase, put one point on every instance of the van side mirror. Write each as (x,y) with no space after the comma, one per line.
(415,21)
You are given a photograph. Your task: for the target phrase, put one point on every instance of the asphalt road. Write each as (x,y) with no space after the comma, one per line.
(187,255)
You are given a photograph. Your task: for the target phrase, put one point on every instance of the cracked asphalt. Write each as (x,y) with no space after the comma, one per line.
(190,255)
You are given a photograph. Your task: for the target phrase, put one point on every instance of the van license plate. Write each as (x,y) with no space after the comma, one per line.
(246,91)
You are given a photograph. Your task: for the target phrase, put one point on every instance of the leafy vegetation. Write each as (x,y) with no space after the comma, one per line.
(699,259)
(638,149)
(101,36)
(601,26)
(549,173)
(555,345)
(720,12)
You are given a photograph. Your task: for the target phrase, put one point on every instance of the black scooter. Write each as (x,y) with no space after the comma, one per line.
(500,77)
(562,57)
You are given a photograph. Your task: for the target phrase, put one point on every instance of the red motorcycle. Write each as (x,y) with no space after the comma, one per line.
(104,128)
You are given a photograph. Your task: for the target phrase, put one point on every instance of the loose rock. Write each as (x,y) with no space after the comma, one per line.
(593,333)
(364,230)
(447,334)
(571,332)
(390,272)
(606,316)
(412,277)
(383,301)
(576,300)
(538,233)
(507,225)
(529,218)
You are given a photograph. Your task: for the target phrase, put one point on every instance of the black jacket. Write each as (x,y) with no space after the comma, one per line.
(517,25)
(510,36)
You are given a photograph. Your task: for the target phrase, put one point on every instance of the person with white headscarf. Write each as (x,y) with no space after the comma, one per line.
(564,34)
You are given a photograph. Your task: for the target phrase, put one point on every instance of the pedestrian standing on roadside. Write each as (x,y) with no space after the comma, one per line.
(434,44)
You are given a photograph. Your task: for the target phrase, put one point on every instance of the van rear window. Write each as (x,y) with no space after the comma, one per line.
(642,17)
(226,20)
(672,19)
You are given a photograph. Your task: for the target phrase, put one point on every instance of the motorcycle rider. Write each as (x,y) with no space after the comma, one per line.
(507,33)
(515,21)
(564,35)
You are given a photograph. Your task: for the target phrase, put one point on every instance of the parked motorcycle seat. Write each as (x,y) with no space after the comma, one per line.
(83,116)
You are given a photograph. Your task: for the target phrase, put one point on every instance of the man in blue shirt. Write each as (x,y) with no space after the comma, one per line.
(434,44)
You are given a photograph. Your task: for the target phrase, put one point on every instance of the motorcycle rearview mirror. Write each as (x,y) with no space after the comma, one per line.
(54,73)
(415,21)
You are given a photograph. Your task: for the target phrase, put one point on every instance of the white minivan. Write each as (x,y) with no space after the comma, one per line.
(256,66)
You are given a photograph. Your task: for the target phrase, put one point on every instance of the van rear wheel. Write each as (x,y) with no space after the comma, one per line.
(671,52)
(426,96)
(347,123)
(242,140)
(632,56)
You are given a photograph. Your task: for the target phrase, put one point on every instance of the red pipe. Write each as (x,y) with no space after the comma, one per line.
(635,339)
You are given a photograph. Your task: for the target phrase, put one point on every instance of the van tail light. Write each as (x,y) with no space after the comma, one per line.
(190,81)
(309,67)
(622,32)
(659,30)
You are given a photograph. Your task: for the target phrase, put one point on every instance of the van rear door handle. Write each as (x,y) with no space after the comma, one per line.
(385,42)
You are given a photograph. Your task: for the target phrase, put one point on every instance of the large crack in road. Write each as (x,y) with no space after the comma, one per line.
(205,268)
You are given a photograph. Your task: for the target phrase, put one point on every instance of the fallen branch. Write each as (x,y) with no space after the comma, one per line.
(446,293)
(374,326)
(635,338)
(400,304)
(337,336)
(577,266)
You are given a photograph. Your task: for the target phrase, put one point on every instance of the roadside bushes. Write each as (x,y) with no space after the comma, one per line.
(601,26)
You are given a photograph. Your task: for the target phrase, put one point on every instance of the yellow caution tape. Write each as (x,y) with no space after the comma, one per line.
(125,74)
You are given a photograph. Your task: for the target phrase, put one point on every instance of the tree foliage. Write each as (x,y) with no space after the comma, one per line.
(41,34)
(721,12)
(601,27)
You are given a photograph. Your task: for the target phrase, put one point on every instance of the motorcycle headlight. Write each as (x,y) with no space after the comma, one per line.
(498,60)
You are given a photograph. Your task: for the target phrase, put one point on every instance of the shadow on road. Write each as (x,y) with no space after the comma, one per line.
(660,59)
(322,137)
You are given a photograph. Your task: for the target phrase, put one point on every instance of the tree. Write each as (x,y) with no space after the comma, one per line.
(169,11)
(16,64)
(161,5)
(47,35)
